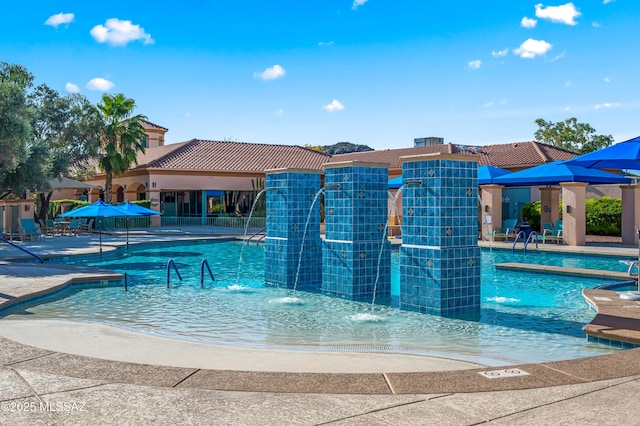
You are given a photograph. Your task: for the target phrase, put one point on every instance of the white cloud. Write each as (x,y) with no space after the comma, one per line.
(607,1)
(474,65)
(271,73)
(607,105)
(528,22)
(532,48)
(334,106)
(60,18)
(560,56)
(564,14)
(100,85)
(607,79)
(491,104)
(279,112)
(499,53)
(595,24)
(325,43)
(71,88)
(568,83)
(357,3)
(186,114)
(118,33)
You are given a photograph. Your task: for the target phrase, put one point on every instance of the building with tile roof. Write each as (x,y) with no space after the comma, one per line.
(199,178)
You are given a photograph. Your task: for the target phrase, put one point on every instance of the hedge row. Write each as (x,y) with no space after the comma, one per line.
(603,215)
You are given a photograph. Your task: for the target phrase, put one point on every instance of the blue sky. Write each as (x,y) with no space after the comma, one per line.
(372,72)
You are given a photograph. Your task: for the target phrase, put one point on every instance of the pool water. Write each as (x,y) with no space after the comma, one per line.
(525,317)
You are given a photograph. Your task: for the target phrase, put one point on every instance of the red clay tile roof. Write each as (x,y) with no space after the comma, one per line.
(519,155)
(206,155)
(392,156)
(230,157)
(147,123)
(510,156)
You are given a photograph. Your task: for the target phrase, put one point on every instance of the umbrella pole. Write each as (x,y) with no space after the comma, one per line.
(101,230)
(127,225)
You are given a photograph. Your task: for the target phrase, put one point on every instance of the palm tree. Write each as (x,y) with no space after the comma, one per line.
(121,134)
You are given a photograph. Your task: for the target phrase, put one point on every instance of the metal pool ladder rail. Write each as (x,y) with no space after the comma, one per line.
(23,249)
(202,265)
(170,263)
(533,235)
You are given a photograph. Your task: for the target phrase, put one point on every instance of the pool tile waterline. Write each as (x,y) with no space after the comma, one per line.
(439,259)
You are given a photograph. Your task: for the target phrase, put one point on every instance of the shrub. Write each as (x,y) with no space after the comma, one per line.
(604,216)
(531,214)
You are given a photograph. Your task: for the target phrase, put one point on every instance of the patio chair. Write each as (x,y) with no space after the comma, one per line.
(554,236)
(46,229)
(73,228)
(86,227)
(30,231)
(507,231)
(547,228)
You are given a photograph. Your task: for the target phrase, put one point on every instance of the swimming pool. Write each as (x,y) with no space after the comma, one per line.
(524,317)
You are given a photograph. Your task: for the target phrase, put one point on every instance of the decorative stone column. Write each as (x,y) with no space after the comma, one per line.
(154,204)
(94,195)
(290,204)
(356,254)
(574,222)
(630,213)
(439,256)
(491,208)
(549,199)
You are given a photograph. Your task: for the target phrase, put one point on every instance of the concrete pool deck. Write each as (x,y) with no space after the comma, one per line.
(37,381)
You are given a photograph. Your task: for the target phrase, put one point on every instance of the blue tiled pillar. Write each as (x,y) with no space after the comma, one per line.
(439,256)
(290,195)
(356,211)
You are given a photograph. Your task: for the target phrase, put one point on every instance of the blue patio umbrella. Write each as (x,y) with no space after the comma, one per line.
(556,172)
(135,208)
(395,183)
(100,209)
(621,156)
(97,209)
(487,174)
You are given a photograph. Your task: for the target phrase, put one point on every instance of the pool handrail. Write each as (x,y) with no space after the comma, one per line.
(169,264)
(256,233)
(633,265)
(23,249)
(534,235)
(515,241)
(202,265)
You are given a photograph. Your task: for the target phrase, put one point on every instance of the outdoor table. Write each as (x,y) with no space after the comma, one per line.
(60,226)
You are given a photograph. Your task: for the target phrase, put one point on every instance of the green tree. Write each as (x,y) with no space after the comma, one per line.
(15,129)
(572,135)
(120,137)
(42,135)
(65,132)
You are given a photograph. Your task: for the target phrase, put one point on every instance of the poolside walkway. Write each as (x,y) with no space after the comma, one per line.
(39,385)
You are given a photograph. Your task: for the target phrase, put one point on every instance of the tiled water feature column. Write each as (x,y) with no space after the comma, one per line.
(356,211)
(439,256)
(290,194)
